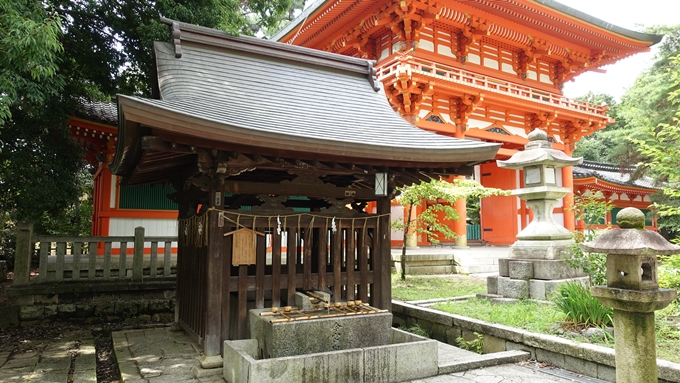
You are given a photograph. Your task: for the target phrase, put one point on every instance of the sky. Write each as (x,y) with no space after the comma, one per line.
(623,13)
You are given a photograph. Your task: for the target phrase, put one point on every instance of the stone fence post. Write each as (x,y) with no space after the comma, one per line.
(22,255)
(138,257)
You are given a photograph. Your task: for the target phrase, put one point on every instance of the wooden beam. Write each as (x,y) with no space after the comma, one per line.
(157,144)
(308,190)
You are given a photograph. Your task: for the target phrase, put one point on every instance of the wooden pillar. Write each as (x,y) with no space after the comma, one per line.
(22,254)
(568,201)
(383,271)
(460,226)
(213,274)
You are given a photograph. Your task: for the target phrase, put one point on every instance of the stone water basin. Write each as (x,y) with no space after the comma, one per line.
(357,348)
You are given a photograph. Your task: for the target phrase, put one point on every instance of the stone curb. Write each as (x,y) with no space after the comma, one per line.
(485,360)
(567,352)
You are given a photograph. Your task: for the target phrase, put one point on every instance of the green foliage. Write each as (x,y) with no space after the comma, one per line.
(581,308)
(30,46)
(109,44)
(40,165)
(474,345)
(661,149)
(605,145)
(592,209)
(473,207)
(417,330)
(669,271)
(646,103)
(439,196)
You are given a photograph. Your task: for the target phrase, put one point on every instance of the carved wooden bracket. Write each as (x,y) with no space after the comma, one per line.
(272,204)
(531,53)
(541,120)
(475,28)
(461,108)
(339,206)
(406,95)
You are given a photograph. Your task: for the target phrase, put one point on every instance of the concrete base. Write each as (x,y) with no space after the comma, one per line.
(213,361)
(406,357)
(282,339)
(532,249)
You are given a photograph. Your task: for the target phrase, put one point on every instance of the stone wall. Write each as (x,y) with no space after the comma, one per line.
(583,358)
(89,302)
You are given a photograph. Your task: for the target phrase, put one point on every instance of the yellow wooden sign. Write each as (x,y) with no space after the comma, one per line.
(244,245)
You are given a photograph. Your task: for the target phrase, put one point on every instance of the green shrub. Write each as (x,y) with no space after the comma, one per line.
(417,330)
(592,209)
(669,271)
(581,308)
(474,345)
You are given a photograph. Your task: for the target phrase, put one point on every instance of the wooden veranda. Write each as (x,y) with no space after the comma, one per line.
(275,145)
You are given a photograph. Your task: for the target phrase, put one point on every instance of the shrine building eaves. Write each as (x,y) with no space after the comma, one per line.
(519,21)
(244,94)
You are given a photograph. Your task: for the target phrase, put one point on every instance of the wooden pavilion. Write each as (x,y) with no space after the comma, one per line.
(290,143)
(489,70)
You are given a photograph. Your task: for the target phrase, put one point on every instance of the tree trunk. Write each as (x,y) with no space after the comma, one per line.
(407,226)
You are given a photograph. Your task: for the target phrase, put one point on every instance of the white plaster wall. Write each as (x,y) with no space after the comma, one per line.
(153,227)
(114,192)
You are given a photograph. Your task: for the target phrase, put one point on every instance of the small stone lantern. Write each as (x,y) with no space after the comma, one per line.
(633,292)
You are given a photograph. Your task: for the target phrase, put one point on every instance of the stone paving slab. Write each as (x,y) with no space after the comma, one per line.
(507,373)
(160,355)
(51,361)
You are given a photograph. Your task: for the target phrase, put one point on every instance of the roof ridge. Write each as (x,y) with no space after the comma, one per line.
(212,37)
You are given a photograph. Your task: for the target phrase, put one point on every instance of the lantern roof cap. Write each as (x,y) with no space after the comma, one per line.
(631,238)
(538,151)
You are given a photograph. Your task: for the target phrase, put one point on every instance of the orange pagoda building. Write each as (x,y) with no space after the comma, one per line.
(489,70)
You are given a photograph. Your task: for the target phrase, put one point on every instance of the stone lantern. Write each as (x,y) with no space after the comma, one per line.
(633,292)
(535,265)
(540,162)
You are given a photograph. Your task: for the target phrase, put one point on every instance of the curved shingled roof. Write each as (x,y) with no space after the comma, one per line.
(613,174)
(277,97)
(103,112)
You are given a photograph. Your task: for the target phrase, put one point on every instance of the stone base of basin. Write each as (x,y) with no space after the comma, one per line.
(317,335)
(406,357)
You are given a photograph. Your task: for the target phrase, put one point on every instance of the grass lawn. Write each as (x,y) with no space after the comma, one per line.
(534,317)
(417,287)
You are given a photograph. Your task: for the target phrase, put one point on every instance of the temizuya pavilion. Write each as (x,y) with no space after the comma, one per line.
(283,146)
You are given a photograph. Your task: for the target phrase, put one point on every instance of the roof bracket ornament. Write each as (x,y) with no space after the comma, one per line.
(176,39)
(372,77)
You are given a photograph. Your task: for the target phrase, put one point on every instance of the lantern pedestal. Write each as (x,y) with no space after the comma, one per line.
(634,334)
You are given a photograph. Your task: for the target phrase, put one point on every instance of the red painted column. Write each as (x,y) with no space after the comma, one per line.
(568,201)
